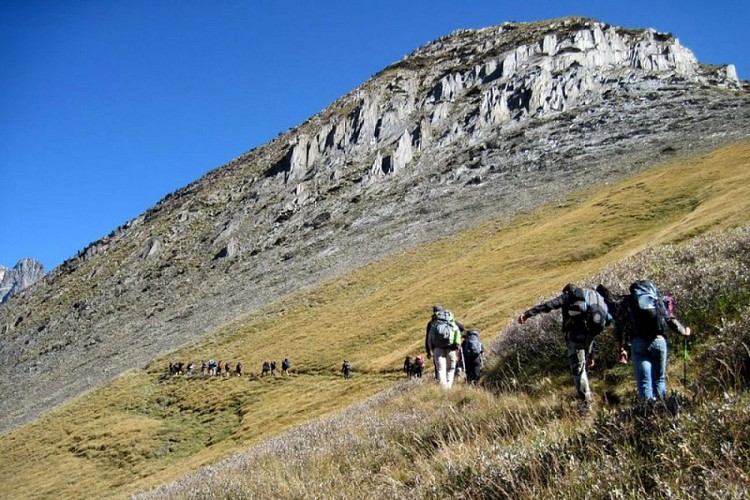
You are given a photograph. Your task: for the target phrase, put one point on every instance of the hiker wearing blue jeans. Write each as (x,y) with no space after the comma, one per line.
(650,366)
(645,317)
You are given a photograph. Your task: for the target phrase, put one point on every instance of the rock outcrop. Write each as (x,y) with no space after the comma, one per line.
(24,274)
(477,124)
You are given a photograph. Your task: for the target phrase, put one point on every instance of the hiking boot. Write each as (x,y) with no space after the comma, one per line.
(585,407)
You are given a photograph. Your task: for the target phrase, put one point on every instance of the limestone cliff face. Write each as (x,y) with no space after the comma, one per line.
(24,274)
(474,125)
(469,90)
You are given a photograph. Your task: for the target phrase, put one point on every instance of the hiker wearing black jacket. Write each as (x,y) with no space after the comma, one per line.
(578,330)
(471,353)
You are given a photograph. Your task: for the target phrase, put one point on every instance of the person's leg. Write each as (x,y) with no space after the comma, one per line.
(441,366)
(452,361)
(472,368)
(658,351)
(639,353)
(577,362)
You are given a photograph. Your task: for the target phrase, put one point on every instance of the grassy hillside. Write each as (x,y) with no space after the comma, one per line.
(520,435)
(146,429)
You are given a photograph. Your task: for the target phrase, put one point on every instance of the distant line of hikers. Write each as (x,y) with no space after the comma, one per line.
(226,369)
(642,319)
(220,368)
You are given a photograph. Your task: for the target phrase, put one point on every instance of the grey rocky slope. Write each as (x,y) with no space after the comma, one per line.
(478,124)
(24,274)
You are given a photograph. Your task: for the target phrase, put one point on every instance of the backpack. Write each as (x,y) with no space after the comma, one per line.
(590,307)
(649,309)
(442,330)
(473,345)
(670,305)
(419,361)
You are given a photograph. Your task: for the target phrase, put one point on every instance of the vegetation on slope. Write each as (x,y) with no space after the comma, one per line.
(146,429)
(520,436)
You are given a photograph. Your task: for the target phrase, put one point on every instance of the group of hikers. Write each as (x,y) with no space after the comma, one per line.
(270,367)
(452,348)
(413,367)
(225,369)
(642,319)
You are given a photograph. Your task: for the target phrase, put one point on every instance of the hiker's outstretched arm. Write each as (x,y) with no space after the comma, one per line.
(546,307)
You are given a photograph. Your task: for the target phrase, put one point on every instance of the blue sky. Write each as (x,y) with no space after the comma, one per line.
(107,106)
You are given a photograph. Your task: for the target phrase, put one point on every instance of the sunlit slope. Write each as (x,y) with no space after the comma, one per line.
(145,429)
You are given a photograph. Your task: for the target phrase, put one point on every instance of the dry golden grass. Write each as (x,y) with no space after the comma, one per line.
(145,429)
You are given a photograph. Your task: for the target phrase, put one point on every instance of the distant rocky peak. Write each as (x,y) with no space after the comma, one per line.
(25,273)
(474,81)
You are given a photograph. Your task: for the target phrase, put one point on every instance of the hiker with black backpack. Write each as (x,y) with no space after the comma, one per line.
(584,316)
(646,316)
(471,352)
(442,343)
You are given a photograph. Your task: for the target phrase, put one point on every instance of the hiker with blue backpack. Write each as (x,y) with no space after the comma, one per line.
(471,353)
(646,316)
(442,343)
(584,316)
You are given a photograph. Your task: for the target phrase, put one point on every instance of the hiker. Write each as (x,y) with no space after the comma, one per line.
(443,336)
(204,367)
(212,367)
(273,368)
(266,369)
(427,349)
(471,352)
(238,369)
(584,316)
(646,316)
(418,366)
(227,369)
(408,367)
(190,369)
(346,369)
(285,365)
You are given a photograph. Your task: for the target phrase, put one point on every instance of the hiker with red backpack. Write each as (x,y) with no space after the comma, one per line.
(418,366)
(646,316)
(584,316)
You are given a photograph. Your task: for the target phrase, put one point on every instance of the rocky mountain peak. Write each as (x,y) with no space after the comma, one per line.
(24,274)
(478,124)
